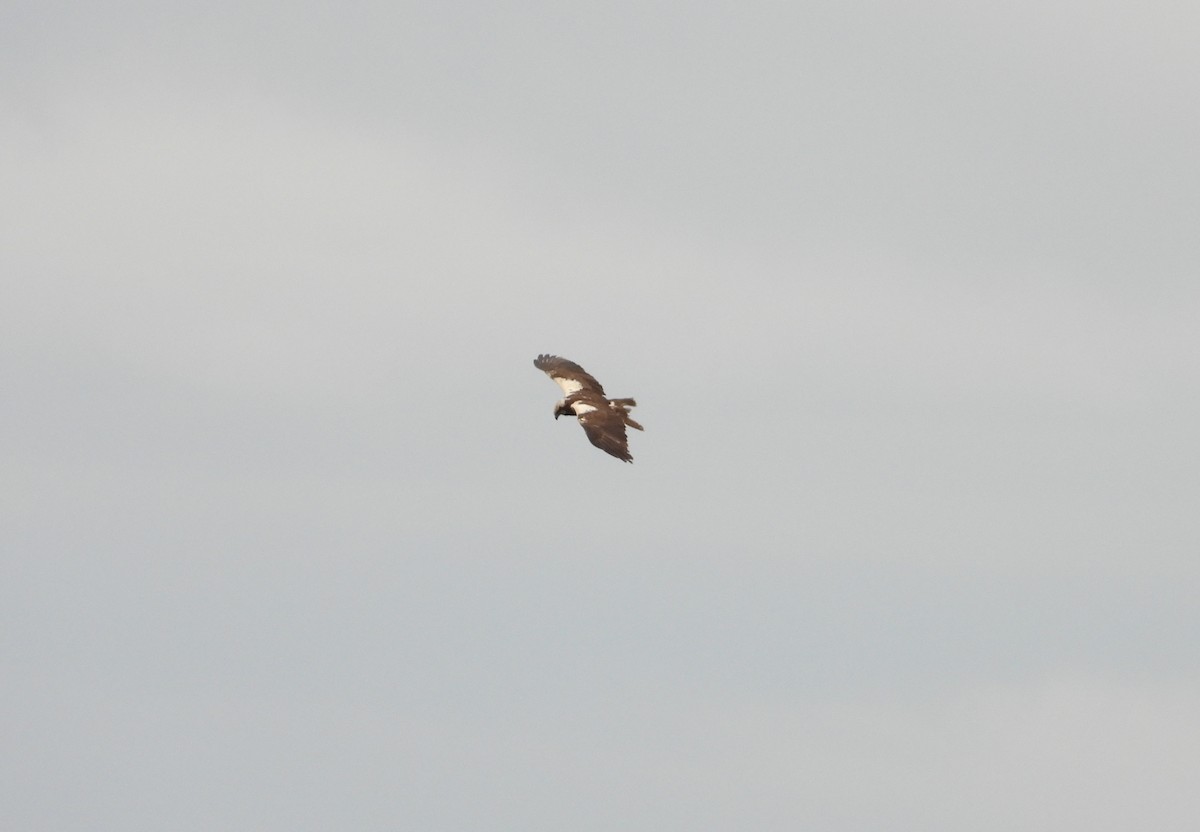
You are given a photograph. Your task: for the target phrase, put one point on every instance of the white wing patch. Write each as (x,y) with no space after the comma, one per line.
(568,385)
(580,408)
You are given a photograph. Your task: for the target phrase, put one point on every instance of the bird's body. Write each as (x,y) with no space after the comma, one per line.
(603,419)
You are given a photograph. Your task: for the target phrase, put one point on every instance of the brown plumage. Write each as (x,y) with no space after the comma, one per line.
(603,420)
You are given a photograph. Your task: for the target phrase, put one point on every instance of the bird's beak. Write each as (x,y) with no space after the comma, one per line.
(556,415)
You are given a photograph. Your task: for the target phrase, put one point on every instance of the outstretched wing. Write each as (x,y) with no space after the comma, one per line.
(605,428)
(567,374)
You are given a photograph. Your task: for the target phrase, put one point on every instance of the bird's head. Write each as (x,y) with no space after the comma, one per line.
(561,409)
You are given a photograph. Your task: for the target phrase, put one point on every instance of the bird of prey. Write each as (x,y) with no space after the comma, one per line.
(603,419)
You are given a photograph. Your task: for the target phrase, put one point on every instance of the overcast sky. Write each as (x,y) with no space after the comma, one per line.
(908,294)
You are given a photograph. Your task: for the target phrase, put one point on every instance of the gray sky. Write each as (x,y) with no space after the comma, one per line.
(909,297)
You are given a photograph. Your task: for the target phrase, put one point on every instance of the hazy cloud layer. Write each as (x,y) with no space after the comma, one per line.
(908,299)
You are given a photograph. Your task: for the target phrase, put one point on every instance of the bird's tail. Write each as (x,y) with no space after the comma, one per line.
(622,406)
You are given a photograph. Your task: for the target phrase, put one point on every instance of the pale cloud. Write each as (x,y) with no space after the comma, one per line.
(906,297)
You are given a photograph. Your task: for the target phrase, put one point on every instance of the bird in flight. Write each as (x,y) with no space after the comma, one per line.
(603,419)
